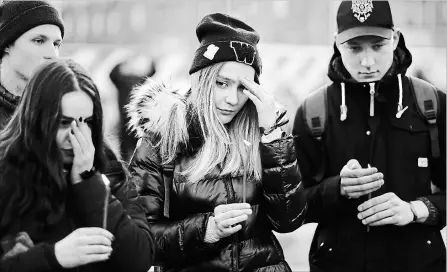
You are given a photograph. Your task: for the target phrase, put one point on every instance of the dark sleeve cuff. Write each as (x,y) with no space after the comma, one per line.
(330,190)
(433,213)
(88,197)
(50,255)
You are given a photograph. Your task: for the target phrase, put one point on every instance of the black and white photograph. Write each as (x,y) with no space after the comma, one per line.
(223,135)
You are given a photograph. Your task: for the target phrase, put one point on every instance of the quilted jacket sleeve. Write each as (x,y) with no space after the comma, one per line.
(323,197)
(281,181)
(177,242)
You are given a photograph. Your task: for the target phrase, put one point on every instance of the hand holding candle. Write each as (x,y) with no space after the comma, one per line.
(106,201)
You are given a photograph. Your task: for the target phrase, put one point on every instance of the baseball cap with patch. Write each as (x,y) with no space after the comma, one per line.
(364,18)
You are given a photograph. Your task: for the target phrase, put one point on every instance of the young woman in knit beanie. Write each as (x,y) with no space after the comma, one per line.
(217,172)
(56,213)
(30,32)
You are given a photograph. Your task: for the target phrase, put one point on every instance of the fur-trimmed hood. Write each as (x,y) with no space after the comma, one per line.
(151,108)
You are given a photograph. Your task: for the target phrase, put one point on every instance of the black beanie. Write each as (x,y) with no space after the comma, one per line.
(224,38)
(17,17)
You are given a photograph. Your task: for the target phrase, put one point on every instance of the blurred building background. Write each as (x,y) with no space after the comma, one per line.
(157,38)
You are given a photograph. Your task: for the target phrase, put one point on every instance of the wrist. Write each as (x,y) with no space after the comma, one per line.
(413,212)
(420,210)
(210,233)
(273,135)
(88,173)
(266,130)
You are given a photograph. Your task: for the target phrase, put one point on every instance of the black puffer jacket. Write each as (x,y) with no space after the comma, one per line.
(394,146)
(180,239)
(8,104)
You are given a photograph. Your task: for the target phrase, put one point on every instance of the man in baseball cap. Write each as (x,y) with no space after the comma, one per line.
(368,161)
(30,32)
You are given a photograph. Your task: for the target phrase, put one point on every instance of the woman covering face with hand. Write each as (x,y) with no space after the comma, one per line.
(52,194)
(216,171)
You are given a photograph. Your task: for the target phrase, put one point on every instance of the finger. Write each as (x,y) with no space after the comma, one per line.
(233,229)
(359,194)
(373,210)
(253,88)
(229,207)
(390,220)
(364,187)
(375,201)
(252,97)
(351,181)
(231,214)
(96,249)
(77,150)
(87,133)
(356,173)
(353,164)
(80,137)
(91,231)
(93,258)
(235,220)
(95,240)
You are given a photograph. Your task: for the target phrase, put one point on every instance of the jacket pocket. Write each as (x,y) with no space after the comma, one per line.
(411,155)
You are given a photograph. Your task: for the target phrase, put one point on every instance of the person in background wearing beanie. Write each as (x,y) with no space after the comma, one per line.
(55,211)
(203,215)
(30,32)
(367,180)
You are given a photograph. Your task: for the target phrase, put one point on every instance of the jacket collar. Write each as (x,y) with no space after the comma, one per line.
(8,101)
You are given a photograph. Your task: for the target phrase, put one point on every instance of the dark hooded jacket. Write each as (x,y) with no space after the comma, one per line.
(8,104)
(341,242)
(180,244)
(28,244)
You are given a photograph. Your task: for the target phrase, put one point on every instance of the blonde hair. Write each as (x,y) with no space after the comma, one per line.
(223,147)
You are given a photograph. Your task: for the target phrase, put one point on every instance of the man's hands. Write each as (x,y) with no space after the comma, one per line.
(357,181)
(387,209)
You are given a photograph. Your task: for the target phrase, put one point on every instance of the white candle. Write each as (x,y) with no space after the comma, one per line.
(106,201)
(244,177)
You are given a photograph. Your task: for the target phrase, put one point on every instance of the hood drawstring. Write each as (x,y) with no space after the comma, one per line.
(343,107)
(372,91)
(400,107)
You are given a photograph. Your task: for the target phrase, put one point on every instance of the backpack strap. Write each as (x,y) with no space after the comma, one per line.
(168,175)
(427,100)
(315,117)
(315,112)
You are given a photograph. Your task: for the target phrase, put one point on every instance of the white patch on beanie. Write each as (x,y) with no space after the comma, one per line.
(211,50)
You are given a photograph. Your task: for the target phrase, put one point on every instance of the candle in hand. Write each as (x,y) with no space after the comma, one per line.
(244,177)
(106,200)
